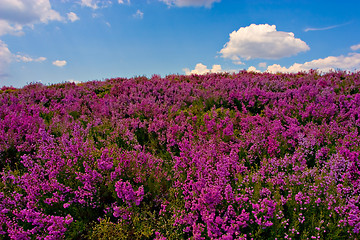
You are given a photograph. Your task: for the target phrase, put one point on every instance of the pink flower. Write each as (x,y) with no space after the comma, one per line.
(125,192)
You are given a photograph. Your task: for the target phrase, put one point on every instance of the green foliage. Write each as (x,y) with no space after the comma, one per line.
(78,230)
(142,136)
(100,134)
(75,114)
(139,226)
(10,159)
(122,144)
(47,117)
(107,230)
(103,90)
(216,102)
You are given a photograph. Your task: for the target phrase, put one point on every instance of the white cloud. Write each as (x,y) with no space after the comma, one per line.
(73,81)
(89,3)
(324,28)
(40,59)
(262,65)
(13,29)
(355,47)
(72,16)
(190,3)
(5,58)
(262,41)
(123,2)
(59,63)
(96,15)
(349,63)
(22,58)
(253,69)
(95,4)
(238,62)
(216,68)
(319,29)
(15,14)
(139,14)
(202,69)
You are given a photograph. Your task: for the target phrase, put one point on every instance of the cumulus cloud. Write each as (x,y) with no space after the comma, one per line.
(262,41)
(355,47)
(72,16)
(253,69)
(202,69)
(14,15)
(350,62)
(139,14)
(190,3)
(27,11)
(73,81)
(59,63)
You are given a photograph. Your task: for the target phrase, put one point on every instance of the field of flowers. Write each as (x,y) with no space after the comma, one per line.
(218,156)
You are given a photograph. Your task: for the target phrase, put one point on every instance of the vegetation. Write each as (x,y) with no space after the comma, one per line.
(217,156)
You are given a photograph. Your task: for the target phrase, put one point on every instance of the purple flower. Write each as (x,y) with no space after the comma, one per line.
(125,192)
(105,162)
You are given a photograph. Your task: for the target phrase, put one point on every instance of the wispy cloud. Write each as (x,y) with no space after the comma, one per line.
(262,64)
(139,14)
(190,3)
(22,58)
(72,16)
(355,47)
(5,59)
(95,4)
(325,28)
(124,1)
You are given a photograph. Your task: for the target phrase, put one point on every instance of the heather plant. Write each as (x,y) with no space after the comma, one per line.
(216,156)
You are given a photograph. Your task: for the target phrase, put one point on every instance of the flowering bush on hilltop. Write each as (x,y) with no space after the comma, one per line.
(217,156)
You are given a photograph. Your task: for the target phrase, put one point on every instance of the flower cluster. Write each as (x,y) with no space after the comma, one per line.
(217,156)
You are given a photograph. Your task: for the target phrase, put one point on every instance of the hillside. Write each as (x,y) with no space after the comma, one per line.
(216,156)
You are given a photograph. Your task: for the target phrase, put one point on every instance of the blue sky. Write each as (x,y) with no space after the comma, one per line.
(82,40)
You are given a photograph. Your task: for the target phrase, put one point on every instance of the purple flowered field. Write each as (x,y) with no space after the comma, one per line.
(217,156)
